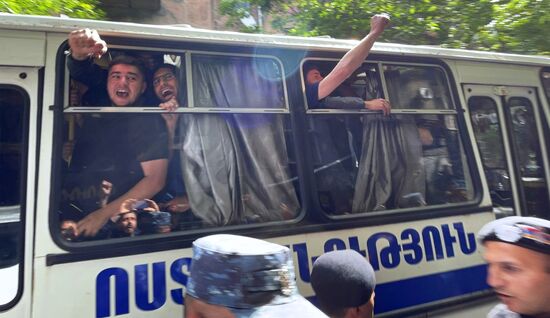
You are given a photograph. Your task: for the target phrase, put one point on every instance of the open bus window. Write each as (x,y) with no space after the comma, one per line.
(362,85)
(89,78)
(417,87)
(369,162)
(222,168)
(12,109)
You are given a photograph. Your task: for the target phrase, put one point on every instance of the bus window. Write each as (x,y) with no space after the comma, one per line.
(226,167)
(529,156)
(369,162)
(237,82)
(486,123)
(413,87)
(12,109)
(236,166)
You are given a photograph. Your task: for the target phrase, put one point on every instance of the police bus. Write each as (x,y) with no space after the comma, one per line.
(467,140)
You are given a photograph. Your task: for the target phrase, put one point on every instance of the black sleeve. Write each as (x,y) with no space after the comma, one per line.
(87,72)
(338,102)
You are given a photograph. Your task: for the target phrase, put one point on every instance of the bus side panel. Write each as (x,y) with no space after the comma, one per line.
(441,255)
(22,48)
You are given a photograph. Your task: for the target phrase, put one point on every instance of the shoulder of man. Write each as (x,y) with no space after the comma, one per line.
(312,95)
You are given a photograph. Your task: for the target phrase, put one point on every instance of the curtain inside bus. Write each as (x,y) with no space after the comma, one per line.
(235,166)
(390,172)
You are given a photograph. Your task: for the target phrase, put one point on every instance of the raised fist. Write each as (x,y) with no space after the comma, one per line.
(86,43)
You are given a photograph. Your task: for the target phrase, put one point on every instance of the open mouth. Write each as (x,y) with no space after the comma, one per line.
(167,93)
(122,93)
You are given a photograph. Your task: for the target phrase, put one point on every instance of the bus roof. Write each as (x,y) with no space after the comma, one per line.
(179,32)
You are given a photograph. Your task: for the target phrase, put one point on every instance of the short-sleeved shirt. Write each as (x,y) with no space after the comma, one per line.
(112,148)
(312,95)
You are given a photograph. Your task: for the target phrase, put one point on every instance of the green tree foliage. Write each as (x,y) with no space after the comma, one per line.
(237,10)
(73,8)
(517,26)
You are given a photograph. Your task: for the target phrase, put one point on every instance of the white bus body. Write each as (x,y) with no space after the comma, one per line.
(426,256)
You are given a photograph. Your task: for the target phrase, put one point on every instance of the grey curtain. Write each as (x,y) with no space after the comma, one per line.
(222,81)
(391,173)
(235,166)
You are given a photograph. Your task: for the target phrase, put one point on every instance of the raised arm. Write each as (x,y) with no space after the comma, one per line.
(86,44)
(353,58)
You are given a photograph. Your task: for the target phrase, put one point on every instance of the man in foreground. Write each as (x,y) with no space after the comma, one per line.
(344,283)
(242,277)
(517,250)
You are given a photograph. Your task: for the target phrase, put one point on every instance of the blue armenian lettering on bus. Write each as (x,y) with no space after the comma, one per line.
(142,300)
(383,249)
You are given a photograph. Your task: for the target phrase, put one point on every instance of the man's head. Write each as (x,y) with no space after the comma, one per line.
(165,82)
(237,276)
(313,74)
(344,283)
(126,80)
(127,223)
(517,250)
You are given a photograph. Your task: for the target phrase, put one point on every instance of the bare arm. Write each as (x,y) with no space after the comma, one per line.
(353,59)
(153,181)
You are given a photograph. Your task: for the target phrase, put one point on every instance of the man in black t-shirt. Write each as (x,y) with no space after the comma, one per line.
(130,152)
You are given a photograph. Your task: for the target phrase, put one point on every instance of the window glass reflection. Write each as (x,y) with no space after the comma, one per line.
(417,87)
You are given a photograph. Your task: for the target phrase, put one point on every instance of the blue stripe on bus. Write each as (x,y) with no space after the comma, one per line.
(429,288)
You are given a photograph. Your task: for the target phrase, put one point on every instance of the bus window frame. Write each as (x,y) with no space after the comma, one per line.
(165,241)
(186,56)
(466,146)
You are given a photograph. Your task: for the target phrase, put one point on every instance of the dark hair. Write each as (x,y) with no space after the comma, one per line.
(341,280)
(130,60)
(311,66)
(172,67)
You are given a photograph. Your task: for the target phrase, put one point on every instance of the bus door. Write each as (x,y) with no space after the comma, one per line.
(510,138)
(18,95)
